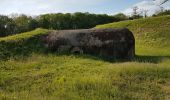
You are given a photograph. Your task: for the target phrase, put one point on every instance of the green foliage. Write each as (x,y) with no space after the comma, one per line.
(23,23)
(166,12)
(23,44)
(7,26)
(77,20)
(121,16)
(81,77)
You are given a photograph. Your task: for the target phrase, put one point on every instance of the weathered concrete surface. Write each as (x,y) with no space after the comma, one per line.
(111,43)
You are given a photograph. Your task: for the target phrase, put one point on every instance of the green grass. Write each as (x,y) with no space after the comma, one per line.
(85,77)
(22,45)
(153,32)
(25,36)
(50,76)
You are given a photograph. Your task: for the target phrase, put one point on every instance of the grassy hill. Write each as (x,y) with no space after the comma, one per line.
(22,45)
(152,32)
(28,71)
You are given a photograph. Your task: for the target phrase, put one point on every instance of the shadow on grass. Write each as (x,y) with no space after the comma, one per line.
(137,58)
(24,53)
(24,49)
(150,59)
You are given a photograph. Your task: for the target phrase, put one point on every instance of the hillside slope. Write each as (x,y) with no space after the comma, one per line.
(28,72)
(22,44)
(154,31)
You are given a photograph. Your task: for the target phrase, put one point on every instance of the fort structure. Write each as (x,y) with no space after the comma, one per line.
(110,43)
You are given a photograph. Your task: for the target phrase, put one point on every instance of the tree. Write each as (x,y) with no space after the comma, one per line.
(25,23)
(22,23)
(76,20)
(144,12)
(7,26)
(165,12)
(135,9)
(135,14)
(43,21)
(120,16)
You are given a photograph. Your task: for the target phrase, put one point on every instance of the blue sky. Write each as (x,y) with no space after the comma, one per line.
(35,7)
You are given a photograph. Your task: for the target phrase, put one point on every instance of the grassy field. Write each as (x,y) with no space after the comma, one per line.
(28,71)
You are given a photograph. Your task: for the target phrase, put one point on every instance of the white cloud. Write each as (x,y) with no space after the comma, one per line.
(34,7)
(149,5)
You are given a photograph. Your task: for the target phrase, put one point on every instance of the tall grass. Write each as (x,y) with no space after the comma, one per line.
(22,45)
(153,32)
(81,77)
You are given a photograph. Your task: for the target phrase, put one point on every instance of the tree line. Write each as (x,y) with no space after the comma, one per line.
(14,24)
(163,13)
(10,25)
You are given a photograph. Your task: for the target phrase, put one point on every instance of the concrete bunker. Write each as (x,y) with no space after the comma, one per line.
(110,43)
